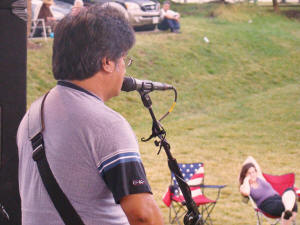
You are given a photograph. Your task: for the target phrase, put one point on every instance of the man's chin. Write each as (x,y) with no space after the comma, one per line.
(117,93)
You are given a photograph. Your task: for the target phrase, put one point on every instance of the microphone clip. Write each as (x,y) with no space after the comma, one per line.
(146,98)
(155,133)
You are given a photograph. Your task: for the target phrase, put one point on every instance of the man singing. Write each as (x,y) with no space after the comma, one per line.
(91,149)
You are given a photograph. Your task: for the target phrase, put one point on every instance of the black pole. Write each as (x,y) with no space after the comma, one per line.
(193,217)
(12,103)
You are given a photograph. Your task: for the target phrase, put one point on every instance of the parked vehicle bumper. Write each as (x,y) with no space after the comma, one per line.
(143,18)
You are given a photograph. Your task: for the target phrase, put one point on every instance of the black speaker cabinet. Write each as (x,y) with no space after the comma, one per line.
(12,103)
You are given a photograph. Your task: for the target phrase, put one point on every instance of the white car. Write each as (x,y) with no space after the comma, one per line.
(140,13)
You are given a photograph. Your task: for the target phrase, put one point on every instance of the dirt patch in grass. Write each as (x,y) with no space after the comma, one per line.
(292,14)
(195,9)
(33,45)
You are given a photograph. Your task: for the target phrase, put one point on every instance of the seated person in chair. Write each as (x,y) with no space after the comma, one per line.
(266,198)
(77,6)
(170,19)
(43,11)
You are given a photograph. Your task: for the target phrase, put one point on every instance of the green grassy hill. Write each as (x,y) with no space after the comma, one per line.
(238,95)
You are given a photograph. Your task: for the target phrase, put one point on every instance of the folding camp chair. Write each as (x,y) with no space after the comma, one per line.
(297,190)
(280,184)
(40,24)
(193,174)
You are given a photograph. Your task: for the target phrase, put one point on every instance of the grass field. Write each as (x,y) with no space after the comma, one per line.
(238,95)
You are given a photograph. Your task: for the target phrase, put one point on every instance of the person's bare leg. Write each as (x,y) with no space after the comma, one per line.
(288,200)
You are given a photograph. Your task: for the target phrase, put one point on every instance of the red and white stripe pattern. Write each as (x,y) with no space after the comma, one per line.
(193,174)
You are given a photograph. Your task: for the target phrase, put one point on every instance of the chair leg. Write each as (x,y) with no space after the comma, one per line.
(172,208)
(176,216)
(176,209)
(33,28)
(206,210)
(44,30)
(277,221)
(258,218)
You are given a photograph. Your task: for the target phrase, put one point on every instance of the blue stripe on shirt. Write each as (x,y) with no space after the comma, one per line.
(118,159)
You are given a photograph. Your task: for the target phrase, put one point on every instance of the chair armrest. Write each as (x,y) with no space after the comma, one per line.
(209,186)
(213,186)
(253,203)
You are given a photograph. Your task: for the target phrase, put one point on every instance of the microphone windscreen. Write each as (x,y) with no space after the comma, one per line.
(129,84)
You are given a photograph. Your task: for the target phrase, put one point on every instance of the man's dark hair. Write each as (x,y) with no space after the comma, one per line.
(81,41)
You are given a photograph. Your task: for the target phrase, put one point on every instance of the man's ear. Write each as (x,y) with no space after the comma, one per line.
(108,65)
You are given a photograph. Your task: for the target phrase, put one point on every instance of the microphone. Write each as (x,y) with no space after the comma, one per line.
(132,84)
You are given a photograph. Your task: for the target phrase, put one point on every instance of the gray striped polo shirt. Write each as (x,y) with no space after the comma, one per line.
(92,152)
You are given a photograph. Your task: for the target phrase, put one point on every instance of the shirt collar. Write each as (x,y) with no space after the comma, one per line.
(76,87)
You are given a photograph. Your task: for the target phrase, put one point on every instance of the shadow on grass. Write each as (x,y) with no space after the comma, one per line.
(290,10)
(292,13)
(214,8)
(195,9)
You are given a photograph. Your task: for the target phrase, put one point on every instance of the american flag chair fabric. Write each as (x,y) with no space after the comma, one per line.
(193,174)
(280,183)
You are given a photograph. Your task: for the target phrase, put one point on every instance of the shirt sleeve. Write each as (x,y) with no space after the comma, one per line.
(171,13)
(121,166)
(124,174)
(162,14)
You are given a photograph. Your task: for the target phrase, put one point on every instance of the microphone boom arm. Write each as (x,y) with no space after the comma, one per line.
(193,216)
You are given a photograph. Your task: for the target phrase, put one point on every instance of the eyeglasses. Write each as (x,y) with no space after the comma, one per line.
(128,61)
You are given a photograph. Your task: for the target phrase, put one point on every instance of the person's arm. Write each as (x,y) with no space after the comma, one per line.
(245,187)
(50,18)
(162,14)
(141,209)
(250,159)
(123,172)
(177,16)
(170,14)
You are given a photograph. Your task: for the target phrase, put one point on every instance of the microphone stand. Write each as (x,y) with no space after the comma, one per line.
(192,217)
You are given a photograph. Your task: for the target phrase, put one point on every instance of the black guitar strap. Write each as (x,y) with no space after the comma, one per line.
(61,202)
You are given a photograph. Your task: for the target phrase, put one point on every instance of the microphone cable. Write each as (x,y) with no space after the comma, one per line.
(172,107)
(129,84)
